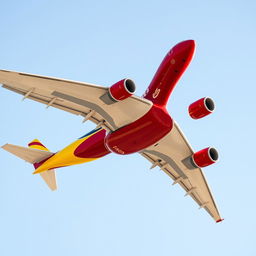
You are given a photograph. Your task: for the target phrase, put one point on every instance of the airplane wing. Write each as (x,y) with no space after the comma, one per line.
(88,100)
(172,154)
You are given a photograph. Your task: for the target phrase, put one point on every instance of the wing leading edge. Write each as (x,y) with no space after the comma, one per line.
(172,154)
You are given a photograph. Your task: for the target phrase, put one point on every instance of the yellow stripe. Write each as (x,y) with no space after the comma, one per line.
(41,147)
(65,157)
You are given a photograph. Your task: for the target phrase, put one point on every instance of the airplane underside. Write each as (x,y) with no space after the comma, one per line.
(126,124)
(129,139)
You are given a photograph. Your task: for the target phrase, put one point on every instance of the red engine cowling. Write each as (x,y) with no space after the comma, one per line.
(201,108)
(122,89)
(205,157)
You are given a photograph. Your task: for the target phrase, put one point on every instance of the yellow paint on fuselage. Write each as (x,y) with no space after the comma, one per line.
(65,157)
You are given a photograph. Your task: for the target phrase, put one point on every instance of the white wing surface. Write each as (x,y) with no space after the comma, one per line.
(88,100)
(172,154)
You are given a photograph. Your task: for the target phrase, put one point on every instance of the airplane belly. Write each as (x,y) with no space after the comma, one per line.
(87,148)
(140,134)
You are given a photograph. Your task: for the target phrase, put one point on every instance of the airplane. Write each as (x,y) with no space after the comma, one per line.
(125,124)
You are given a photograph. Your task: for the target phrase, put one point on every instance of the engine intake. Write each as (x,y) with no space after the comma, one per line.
(121,90)
(201,108)
(205,157)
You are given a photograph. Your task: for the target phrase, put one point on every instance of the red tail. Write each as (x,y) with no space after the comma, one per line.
(169,72)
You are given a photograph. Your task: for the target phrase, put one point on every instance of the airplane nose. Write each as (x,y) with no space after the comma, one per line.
(183,50)
(185,46)
(189,43)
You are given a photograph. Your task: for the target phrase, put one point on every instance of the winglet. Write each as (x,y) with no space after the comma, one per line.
(219,220)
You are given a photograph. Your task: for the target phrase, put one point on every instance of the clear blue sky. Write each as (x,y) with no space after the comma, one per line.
(116,206)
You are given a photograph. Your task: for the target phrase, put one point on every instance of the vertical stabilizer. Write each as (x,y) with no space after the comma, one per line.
(37,145)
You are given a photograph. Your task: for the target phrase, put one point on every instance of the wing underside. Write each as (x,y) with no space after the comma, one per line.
(173,155)
(90,101)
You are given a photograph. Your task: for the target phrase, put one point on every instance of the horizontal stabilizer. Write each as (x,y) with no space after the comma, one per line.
(50,179)
(30,155)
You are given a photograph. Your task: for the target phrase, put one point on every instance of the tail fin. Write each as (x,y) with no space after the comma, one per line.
(37,145)
(35,154)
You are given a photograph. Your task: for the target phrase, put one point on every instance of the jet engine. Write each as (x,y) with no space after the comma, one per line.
(205,157)
(122,89)
(201,108)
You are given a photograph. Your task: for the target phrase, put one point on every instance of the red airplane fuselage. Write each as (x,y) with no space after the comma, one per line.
(157,122)
(141,133)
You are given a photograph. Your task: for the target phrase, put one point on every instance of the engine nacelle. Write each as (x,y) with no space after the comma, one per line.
(201,108)
(205,157)
(122,89)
